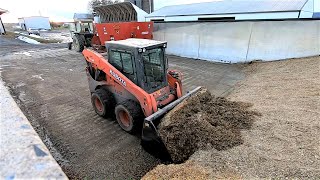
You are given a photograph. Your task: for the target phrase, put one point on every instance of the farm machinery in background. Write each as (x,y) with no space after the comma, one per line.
(111,26)
(81,31)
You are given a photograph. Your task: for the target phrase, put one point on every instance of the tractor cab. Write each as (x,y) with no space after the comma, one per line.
(82,31)
(143,61)
(83,27)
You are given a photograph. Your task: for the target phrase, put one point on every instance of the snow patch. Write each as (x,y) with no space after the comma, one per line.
(27,53)
(64,37)
(35,36)
(28,40)
(38,76)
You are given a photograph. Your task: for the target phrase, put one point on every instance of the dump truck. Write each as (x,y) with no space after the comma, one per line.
(131,82)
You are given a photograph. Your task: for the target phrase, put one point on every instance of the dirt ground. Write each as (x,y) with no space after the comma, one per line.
(204,121)
(186,171)
(284,142)
(50,85)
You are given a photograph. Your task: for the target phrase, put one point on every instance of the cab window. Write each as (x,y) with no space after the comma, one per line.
(122,61)
(115,58)
(127,63)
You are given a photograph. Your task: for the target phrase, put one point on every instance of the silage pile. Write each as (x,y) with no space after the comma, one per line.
(204,121)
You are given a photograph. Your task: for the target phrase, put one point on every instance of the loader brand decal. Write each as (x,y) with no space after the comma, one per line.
(118,77)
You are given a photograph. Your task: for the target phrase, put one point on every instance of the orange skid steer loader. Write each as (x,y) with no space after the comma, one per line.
(131,80)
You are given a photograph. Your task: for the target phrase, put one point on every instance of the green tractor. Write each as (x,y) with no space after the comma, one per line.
(81,31)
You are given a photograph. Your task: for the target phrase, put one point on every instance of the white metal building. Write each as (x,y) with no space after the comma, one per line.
(34,22)
(228,10)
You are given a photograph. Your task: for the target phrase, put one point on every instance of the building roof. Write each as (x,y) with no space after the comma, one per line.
(230,7)
(32,17)
(137,43)
(82,16)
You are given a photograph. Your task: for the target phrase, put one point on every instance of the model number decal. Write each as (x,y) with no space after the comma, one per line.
(118,77)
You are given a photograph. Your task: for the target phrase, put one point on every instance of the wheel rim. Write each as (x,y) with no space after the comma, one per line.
(124,118)
(98,105)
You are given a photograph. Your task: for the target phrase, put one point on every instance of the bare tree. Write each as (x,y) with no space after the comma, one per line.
(94,3)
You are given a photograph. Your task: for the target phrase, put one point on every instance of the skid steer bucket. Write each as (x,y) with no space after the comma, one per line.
(151,141)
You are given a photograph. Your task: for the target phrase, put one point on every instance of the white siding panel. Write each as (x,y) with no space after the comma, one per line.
(37,22)
(273,15)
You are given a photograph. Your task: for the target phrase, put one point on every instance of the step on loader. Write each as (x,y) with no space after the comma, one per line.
(131,81)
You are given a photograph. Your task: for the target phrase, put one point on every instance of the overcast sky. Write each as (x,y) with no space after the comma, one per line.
(60,10)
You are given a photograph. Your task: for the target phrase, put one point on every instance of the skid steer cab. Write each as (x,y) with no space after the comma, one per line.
(131,81)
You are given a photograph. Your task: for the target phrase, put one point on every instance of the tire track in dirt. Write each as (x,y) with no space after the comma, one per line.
(95,147)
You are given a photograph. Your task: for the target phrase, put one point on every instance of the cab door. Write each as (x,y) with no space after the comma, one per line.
(123,61)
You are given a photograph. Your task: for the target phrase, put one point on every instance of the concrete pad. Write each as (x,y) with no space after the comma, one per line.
(23,154)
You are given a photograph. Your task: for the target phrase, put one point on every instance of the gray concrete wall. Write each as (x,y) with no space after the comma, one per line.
(22,153)
(234,42)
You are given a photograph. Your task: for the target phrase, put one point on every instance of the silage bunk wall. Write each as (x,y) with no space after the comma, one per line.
(234,42)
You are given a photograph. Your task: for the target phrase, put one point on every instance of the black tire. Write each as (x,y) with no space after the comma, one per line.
(70,45)
(78,43)
(103,102)
(129,116)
